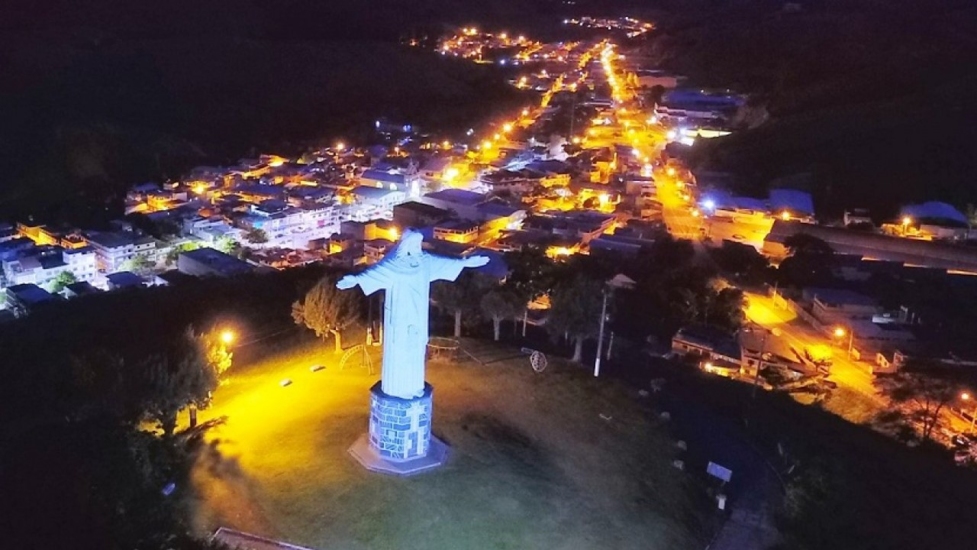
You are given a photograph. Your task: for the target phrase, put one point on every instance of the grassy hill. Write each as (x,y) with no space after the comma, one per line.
(533,463)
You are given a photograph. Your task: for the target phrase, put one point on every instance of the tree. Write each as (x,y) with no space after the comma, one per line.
(219,355)
(63,279)
(256,236)
(139,263)
(501,304)
(180,376)
(924,389)
(175,251)
(459,297)
(326,310)
(531,273)
(726,308)
(575,311)
(227,245)
(742,261)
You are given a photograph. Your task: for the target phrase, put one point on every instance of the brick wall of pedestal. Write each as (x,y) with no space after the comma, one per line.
(400,429)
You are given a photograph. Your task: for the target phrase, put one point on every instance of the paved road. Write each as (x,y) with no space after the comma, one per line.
(850,374)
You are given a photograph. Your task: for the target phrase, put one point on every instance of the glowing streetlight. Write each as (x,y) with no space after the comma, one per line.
(785,215)
(486,144)
(525,112)
(840,332)
(973,416)
(906,221)
(507,127)
(228,337)
(340,146)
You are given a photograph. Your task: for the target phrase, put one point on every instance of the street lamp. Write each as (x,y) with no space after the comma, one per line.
(840,333)
(906,220)
(606,289)
(227,336)
(973,416)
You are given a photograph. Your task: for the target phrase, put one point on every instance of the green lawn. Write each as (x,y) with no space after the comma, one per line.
(533,464)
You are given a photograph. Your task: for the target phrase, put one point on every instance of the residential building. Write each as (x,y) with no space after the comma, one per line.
(707,342)
(418,214)
(457,231)
(122,280)
(374,202)
(831,306)
(23,298)
(75,290)
(112,249)
(42,265)
(207,262)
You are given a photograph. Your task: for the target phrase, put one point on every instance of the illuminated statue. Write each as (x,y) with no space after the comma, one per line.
(406,273)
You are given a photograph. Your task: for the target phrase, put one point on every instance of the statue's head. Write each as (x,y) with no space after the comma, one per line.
(409,247)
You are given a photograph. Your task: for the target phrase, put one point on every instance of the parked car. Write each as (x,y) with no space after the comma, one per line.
(961,441)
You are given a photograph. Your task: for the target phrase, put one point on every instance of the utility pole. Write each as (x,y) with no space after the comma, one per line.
(851,341)
(600,333)
(756,377)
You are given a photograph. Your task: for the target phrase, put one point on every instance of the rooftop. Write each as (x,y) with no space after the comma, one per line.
(422,208)
(107,239)
(367,192)
(124,279)
(839,297)
(218,261)
(30,294)
(384,177)
(459,196)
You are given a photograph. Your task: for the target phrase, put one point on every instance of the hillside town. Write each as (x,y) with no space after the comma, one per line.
(595,275)
(596,166)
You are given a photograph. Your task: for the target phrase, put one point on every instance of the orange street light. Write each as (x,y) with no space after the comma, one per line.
(841,332)
(507,127)
(973,416)
(227,336)
(785,215)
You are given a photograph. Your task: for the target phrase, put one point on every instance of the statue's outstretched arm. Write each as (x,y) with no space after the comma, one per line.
(373,279)
(448,269)
(348,282)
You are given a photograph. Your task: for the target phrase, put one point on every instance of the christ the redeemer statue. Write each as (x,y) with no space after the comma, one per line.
(406,273)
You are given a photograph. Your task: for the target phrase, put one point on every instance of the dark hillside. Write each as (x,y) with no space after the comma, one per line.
(873,98)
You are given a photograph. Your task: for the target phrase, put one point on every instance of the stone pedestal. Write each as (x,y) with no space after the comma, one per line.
(399,441)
